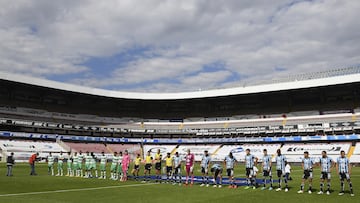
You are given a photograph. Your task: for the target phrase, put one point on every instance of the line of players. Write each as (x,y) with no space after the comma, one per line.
(120,166)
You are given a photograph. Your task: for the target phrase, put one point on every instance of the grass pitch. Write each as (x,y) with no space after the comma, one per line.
(43,188)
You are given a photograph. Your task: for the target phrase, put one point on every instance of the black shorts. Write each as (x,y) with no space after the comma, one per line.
(230,172)
(266,173)
(177,170)
(148,167)
(249,172)
(158,166)
(344,176)
(136,167)
(217,172)
(325,175)
(307,174)
(204,170)
(279,173)
(168,169)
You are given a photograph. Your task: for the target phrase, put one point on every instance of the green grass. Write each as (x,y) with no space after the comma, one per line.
(133,192)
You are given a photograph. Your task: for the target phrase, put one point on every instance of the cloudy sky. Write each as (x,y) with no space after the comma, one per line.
(172,46)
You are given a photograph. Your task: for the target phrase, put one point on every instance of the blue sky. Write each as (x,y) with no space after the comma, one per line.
(175,46)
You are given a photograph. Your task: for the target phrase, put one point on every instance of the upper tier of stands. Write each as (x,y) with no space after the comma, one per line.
(337,123)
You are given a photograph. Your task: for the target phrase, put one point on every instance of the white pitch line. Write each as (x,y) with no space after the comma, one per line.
(74,190)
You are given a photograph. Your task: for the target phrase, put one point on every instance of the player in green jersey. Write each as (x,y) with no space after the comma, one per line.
(119,174)
(114,163)
(60,164)
(50,161)
(88,158)
(75,164)
(80,161)
(103,160)
(69,164)
(93,167)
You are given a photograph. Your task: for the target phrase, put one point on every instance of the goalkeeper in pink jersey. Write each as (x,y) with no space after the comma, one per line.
(189,164)
(125,165)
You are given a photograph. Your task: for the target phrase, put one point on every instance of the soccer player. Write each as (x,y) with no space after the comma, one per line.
(177,168)
(217,170)
(205,165)
(169,168)
(80,161)
(326,163)
(114,163)
(69,164)
(103,160)
(266,166)
(88,158)
(60,164)
(250,162)
(136,169)
(229,163)
(147,167)
(189,166)
(75,165)
(119,174)
(307,165)
(125,165)
(93,165)
(50,161)
(280,169)
(158,158)
(343,168)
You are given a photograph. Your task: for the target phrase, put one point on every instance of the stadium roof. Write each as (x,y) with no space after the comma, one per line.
(288,85)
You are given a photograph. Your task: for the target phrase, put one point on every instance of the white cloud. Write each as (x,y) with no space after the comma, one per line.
(47,38)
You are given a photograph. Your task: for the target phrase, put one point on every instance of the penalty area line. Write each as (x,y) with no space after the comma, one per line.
(74,190)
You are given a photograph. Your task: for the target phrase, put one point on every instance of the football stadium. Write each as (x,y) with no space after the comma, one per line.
(95,145)
(172,101)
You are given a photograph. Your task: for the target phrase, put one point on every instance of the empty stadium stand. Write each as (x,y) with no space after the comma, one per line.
(23,149)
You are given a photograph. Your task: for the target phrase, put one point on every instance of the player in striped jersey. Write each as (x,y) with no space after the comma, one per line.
(250,162)
(325,163)
(217,170)
(169,168)
(177,168)
(205,165)
(307,165)
(119,173)
(103,160)
(69,164)
(280,169)
(158,158)
(93,167)
(148,165)
(136,169)
(60,163)
(75,164)
(266,167)
(80,163)
(50,161)
(115,160)
(87,164)
(229,163)
(344,170)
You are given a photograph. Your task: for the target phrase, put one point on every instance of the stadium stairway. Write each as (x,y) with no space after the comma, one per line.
(351,151)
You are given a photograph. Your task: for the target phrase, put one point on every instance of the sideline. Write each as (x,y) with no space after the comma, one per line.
(74,190)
